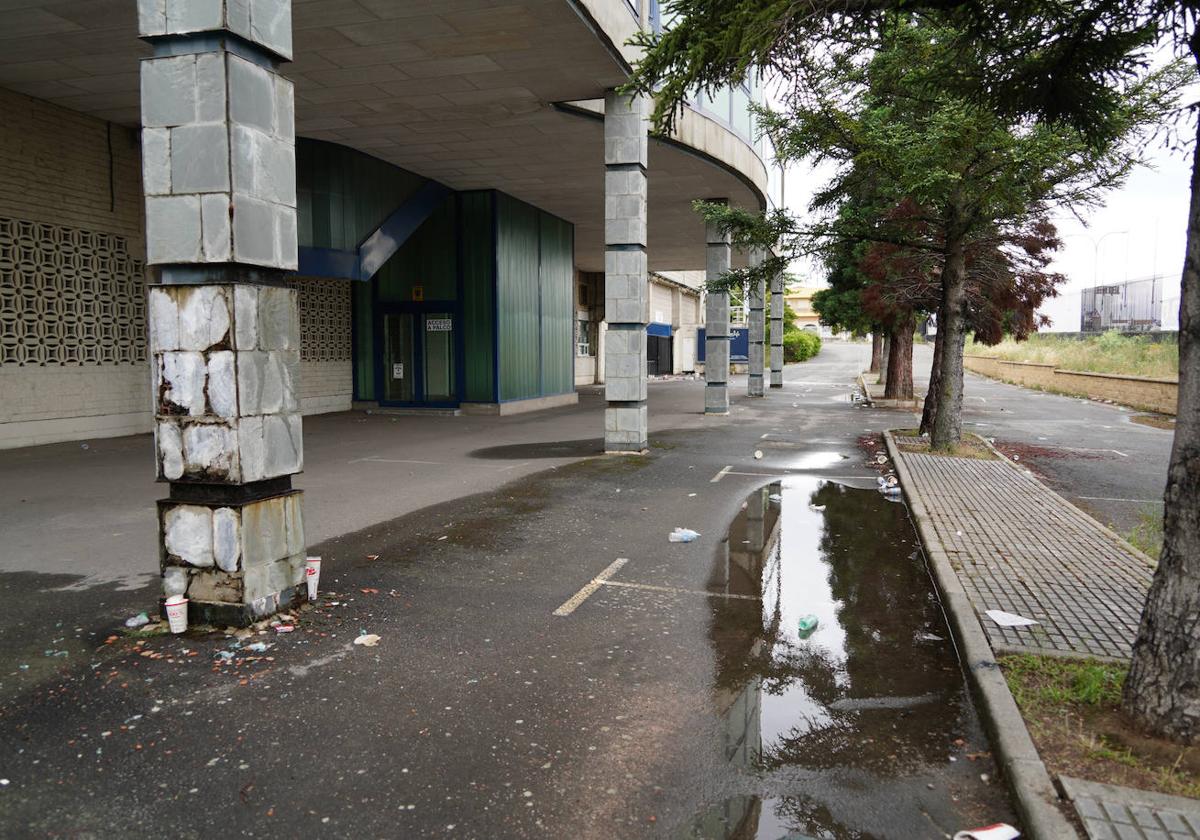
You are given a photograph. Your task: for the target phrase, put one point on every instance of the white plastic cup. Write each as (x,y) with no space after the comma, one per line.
(177,613)
(312,575)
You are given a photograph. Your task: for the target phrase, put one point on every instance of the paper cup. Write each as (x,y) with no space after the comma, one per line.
(312,575)
(177,613)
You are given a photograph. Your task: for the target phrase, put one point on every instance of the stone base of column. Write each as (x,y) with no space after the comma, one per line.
(716,398)
(626,429)
(236,562)
(754,387)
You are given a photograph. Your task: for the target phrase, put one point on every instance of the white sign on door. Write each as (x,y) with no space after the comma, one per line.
(437,325)
(397,370)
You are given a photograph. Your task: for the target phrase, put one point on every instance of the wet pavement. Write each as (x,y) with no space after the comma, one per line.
(677,699)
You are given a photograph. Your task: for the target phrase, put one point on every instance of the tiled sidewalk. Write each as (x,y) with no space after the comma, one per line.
(1116,813)
(1019,547)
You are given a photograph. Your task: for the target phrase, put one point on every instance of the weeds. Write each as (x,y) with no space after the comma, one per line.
(1147,535)
(1110,352)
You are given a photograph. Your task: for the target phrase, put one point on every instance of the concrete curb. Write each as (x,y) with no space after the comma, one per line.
(1027,778)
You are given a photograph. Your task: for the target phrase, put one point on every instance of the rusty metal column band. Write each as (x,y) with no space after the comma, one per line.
(757,329)
(716,323)
(219,175)
(777,330)
(626,289)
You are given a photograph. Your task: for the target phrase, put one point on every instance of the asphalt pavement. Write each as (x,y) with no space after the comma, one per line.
(549,664)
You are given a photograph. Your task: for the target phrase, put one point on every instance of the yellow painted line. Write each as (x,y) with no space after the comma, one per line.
(673,590)
(595,583)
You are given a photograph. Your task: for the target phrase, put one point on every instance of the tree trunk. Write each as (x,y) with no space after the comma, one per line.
(1162,692)
(884,353)
(899,371)
(946,429)
(935,378)
(876,351)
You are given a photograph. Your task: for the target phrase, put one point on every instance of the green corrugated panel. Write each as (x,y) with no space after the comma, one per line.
(557,272)
(364,350)
(428,258)
(479,298)
(517,298)
(343,195)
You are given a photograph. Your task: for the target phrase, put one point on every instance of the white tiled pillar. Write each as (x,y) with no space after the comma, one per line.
(219,174)
(626,289)
(757,330)
(716,326)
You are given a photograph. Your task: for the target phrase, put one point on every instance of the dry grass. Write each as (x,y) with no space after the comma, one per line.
(971,446)
(1111,352)
(1072,708)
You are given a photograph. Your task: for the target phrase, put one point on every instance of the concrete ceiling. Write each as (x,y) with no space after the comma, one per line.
(461,91)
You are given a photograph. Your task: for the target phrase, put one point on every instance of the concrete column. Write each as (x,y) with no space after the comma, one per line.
(626,286)
(757,329)
(219,175)
(777,330)
(716,327)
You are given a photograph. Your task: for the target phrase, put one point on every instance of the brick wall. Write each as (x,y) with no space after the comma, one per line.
(72,285)
(71,250)
(1160,395)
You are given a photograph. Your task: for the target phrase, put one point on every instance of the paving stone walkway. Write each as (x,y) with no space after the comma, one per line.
(1021,548)
(1109,812)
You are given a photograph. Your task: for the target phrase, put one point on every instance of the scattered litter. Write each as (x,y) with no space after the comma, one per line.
(928,637)
(372,556)
(225,655)
(890,490)
(177,615)
(999,831)
(881,459)
(137,620)
(1007,619)
(443,537)
(691,495)
(258,647)
(58,653)
(817,508)
(312,574)
(808,625)
(776,498)
(369,590)
(284,628)
(680,535)
(758,454)
(367,640)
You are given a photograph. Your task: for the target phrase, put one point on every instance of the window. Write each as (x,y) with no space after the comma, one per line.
(585,333)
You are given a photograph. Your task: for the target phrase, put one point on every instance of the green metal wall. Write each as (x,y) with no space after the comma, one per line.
(479,297)
(557,285)
(342,195)
(429,259)
(364,336)
(517,297)
(535,266)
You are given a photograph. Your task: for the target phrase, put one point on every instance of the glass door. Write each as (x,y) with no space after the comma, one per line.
(438,357)
(400,370)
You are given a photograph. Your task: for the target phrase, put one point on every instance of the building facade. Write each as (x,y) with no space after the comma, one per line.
(217,216)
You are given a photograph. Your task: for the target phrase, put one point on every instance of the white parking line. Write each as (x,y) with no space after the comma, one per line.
(724,471)
(675,590)
(595,583)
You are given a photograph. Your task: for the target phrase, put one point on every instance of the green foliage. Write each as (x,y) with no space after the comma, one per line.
(800,346)
(1111,352)
(1040,681)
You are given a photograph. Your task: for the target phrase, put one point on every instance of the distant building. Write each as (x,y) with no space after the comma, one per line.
(799,300)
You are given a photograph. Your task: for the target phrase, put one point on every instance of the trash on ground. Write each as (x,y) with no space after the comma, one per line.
(775,497)
(928,637)
(758,454)
(284,628)
(881,459)
(367,640)
(177,615)
(225,654)
(683,535)
(258,647)
(312,574)
(807,625)
(890,490)
(999,831)
(1007,619)
(137,620)
(817,508)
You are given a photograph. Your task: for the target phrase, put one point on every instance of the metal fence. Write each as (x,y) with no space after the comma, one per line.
(1135,306)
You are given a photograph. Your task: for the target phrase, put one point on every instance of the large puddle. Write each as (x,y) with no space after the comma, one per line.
(862,727)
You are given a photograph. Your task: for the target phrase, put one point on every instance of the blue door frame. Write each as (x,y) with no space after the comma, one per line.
(417,310)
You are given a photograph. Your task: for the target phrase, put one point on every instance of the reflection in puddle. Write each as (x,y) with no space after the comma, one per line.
(816,460)
(861,727)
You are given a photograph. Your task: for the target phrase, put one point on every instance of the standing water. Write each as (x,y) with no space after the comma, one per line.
(843,710)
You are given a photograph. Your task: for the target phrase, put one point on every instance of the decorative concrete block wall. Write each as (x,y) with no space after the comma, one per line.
(777,330)
(716,328)
(758,332)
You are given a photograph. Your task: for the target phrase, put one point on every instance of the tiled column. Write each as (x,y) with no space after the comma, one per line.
(626,289)
(758,331)
(219,173)
(716,325)
(777,330)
